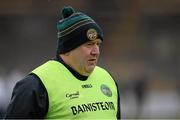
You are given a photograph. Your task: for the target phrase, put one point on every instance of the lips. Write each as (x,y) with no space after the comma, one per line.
(92,61)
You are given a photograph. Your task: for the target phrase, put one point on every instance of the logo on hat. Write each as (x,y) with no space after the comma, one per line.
(91,34)
(106,90)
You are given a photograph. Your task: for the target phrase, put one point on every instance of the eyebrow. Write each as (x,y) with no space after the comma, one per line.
(94,41)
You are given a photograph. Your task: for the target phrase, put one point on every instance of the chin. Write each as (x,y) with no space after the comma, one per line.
(90,68)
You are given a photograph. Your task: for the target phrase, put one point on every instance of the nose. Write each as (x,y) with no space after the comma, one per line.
(95,50)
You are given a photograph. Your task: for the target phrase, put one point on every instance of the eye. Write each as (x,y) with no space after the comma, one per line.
(99,44)
(89,44)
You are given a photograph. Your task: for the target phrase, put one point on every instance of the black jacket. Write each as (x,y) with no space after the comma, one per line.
(30,98)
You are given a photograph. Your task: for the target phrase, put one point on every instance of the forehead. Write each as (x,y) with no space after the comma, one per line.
(94,41)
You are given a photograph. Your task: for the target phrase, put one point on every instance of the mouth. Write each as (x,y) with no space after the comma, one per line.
(92,61)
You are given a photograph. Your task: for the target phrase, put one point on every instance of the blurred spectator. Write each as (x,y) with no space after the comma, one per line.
(6,86)
(3,96)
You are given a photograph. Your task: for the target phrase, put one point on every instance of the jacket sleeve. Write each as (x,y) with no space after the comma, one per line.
(118,115)
(119,106)
(29,99)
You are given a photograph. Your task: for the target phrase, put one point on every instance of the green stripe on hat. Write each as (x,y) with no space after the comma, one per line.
(73,27)
(76,17)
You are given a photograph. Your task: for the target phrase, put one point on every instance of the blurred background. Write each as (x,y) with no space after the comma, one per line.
(141,48)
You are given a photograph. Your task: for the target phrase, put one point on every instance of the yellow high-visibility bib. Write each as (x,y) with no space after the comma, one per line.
(71,98)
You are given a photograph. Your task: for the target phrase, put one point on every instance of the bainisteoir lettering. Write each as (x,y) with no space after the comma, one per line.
(90,107)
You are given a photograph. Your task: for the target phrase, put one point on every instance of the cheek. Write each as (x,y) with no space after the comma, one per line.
(83,60)
(80,57)
(84,53)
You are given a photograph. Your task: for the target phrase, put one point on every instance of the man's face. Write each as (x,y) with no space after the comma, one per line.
(84,58)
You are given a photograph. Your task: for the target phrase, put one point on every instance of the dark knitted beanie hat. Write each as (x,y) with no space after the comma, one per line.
(74,29)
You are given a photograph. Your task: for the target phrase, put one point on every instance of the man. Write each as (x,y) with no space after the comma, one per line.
(70,86)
